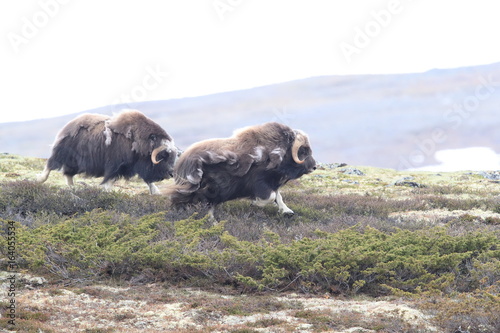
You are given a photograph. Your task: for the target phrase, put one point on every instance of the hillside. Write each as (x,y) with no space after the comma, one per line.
(390,121)
(369,250)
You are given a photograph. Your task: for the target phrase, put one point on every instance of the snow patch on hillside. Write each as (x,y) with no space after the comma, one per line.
(473,158)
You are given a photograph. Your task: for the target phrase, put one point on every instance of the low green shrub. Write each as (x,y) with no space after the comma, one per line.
(27,197)
(102,244)
(27,200)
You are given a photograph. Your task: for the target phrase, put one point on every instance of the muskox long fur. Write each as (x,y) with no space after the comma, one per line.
(254,163)
(121,146)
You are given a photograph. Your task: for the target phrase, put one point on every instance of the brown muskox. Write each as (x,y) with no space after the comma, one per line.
(254,163)
(121,146)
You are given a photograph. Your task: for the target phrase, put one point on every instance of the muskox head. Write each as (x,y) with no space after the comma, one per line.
(148,140)
(301,152)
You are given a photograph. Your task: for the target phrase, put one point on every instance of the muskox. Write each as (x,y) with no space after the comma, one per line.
(121,146)
(253,164)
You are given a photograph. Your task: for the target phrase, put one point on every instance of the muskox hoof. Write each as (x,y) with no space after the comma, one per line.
(288,213)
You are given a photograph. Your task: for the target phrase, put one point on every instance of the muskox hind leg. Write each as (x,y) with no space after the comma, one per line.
(263,202)
(42,177)
(108,184)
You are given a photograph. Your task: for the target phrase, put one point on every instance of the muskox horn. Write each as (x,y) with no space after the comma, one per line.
(156,151)
(300,140)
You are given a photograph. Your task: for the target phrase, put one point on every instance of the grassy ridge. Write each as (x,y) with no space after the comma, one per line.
(352,235)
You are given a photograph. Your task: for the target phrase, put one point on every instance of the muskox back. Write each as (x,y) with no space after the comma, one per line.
(122,146)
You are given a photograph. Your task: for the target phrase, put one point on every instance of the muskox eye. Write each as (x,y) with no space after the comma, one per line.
(303,152)
(152,137)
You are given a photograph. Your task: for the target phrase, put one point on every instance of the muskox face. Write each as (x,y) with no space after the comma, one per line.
(154,148)
(163,154)
(301,153)
(305,154)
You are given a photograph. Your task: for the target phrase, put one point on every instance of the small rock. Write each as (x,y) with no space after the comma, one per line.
(405,181)
(37,281)
(491,175)
(30,281)
(352,171)
(320,176)
(331,165)
(409,184)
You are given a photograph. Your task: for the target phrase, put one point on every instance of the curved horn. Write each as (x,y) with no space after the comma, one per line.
(300,140)
(156,151)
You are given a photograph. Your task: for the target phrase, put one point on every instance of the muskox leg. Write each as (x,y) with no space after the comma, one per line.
(274,198)
(108,185)
(44,175)
(283,209)
(69,180)
(211,216)
(153,189)
(262,202)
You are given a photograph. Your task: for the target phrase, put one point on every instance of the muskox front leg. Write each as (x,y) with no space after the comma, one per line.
(211,214)
(283,209)
(153,189)
(69,180)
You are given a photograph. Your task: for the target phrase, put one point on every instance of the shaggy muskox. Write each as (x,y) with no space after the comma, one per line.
(253,164)
(121,146)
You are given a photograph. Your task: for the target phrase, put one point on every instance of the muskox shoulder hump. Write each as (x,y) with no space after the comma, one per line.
(86,121)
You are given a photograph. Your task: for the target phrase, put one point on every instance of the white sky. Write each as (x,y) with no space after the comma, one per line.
(66,56)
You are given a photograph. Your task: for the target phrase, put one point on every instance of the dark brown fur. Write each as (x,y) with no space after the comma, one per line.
(253,163)
(112,147)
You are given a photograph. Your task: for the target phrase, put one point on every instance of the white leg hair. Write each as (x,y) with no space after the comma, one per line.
(211,216)
(153,189)
(274,198)
(262,202)
(44,175)
(283,209)
(108,186)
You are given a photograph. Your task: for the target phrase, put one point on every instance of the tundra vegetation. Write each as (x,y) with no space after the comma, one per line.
(426,245)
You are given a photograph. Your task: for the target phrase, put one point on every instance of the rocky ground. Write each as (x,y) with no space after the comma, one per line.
(157,308)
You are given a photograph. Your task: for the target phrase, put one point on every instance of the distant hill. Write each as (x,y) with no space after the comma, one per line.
(392,121)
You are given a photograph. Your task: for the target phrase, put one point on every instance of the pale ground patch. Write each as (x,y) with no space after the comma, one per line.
(119,310)
(437,216)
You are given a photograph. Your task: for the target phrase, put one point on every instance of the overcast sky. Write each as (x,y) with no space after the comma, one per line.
(66,56)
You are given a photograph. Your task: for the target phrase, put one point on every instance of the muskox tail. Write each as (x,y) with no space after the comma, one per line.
(188,175)
(180,194)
